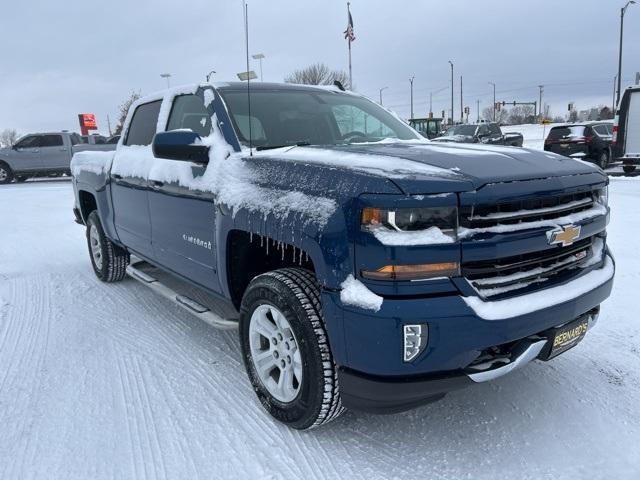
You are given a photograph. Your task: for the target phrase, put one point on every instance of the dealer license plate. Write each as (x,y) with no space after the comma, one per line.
(568,336)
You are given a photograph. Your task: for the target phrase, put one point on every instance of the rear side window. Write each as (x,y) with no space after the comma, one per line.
(143,124)
(558,133)
(188,111)
(494,129)
(50,141)
(601,130)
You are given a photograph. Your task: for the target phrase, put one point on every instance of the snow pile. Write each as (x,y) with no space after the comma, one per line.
(513,307)
(534,134)
(391,167)
(429,236)
(91,161)
(355,293)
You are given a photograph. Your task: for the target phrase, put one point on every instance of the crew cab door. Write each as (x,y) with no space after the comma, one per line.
(55,154)
(183,219)
(129,185)
(25,155)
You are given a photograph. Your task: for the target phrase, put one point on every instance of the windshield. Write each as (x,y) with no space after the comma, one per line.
(310,117)
(466,130)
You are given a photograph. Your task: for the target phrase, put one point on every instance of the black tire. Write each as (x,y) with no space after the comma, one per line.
(628,168)
(112,266)
(6,174)
(295,292)
(603,159)
(21,178)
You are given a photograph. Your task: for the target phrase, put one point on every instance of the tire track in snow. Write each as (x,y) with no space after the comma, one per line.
(28,334)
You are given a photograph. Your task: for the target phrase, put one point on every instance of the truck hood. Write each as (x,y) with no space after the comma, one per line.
(457,167)
(454,139)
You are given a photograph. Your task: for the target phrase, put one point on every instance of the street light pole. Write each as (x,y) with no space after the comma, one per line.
(622,12)
(494,100)
(541,112)
(411,82)
(383,88)
(461,104)
(451,117)
(613,106)
(259,57)
(166,76)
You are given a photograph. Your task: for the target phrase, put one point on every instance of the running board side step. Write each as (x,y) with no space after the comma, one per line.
(203,313)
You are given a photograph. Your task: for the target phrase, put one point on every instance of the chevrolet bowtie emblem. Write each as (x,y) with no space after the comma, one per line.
(565,235)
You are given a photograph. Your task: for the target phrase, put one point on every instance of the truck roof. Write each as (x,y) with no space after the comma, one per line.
(193,88)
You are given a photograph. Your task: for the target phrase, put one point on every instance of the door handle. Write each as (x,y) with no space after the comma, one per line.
(63,149)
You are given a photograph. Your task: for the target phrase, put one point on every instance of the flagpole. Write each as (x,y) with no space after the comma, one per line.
(350,71)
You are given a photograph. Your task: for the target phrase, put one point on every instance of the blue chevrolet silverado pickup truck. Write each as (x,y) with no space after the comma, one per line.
(365,267)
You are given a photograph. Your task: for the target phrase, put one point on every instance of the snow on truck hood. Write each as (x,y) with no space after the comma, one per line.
(406,162)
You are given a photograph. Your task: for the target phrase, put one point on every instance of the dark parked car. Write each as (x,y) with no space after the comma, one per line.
(488,133)
(587,141)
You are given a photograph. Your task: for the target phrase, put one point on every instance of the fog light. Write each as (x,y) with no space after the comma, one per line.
(415,340)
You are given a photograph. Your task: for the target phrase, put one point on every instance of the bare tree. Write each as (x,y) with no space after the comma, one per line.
(123,110)
(521,114)
(605,113)
(501,115)
(318,74)
(8,137)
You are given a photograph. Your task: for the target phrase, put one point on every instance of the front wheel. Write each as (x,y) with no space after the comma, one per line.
(6,174)
(286,351)
(628,168)
(109,261)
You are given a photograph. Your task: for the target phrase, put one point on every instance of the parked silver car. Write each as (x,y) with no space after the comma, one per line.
(43,155)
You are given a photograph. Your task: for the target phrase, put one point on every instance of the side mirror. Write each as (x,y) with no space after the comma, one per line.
(181,145)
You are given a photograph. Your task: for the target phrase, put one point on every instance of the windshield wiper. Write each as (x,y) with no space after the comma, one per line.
(271,147)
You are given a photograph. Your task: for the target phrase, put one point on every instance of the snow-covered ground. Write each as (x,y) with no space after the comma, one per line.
(110,381)
(534,134)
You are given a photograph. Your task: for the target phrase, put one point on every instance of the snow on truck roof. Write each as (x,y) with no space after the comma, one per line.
(191,88)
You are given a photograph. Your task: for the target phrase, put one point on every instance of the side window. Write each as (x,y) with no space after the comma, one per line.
(27,142)
(188,111)
(51,141)
(352,119)
(494,129)
(143,124)
(75,139)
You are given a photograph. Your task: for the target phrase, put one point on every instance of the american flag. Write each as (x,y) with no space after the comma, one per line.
(348,33)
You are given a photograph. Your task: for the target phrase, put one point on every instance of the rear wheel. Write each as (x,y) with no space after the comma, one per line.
(6,174)
(109,261)
(286,351)
(603,159)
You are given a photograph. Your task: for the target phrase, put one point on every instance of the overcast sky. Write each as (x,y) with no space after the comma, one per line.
(64,58)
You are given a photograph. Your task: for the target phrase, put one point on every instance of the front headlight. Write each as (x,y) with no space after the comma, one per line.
(412,219)
(602,196)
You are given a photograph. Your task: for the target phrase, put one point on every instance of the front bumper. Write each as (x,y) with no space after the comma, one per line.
(367,346)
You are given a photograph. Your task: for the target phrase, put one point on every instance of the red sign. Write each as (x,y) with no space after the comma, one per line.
(87,122)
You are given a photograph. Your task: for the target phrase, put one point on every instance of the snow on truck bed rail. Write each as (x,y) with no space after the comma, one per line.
(91,161)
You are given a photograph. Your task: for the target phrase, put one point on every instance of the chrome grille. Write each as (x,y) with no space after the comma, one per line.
(506,276)
(526,210)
